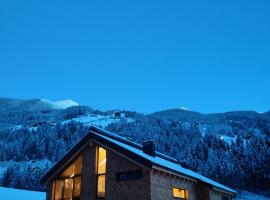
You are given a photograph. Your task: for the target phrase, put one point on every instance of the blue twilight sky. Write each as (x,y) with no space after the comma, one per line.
(208,56)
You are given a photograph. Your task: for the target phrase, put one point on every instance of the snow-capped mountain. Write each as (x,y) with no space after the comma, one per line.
(62,104)
(9,104)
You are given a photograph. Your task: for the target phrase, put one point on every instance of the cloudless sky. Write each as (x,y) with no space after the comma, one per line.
(208,56)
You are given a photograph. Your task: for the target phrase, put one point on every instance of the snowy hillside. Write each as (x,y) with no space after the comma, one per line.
(14,194)
(97,120)
(16,114)
(244,195)
(9,104)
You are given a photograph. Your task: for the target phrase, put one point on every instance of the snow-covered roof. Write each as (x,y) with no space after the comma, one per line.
(161,161)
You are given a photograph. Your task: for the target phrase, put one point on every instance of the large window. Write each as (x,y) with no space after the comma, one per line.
(101,172)
(179,193)
(68,185)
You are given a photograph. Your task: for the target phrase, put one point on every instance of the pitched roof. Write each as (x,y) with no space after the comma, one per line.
(134,151)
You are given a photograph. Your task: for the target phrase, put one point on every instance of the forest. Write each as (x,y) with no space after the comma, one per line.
(243,163)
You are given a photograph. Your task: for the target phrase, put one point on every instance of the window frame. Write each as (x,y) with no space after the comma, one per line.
(185,192)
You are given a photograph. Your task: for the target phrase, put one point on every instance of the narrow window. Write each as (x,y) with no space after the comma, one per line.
(101,172)
(179,193)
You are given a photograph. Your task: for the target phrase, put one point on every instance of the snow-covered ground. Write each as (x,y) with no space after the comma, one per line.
(244,195)
(96,120)
(14,194)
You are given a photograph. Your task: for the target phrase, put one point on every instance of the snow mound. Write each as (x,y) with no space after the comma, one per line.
(15,194)
(62,104)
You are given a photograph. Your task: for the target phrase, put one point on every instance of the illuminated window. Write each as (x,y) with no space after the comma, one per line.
(180,193)
(68,185)
(101,172)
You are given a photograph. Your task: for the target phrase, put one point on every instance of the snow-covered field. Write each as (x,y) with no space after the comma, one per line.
(14,194)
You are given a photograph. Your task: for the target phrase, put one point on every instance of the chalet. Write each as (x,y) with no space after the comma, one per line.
(103,165)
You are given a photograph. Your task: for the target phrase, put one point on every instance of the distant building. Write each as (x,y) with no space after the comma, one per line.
(103,165)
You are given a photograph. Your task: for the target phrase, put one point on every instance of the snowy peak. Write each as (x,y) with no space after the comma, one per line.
(62,104)
(184,108)
(22,105)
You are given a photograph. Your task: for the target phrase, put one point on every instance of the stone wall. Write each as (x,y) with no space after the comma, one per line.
(88,182)
(202,192)
(217,195)
(125,190)
(162,184)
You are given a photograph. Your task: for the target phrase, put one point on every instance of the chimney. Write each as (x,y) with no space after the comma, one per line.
(149,148)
